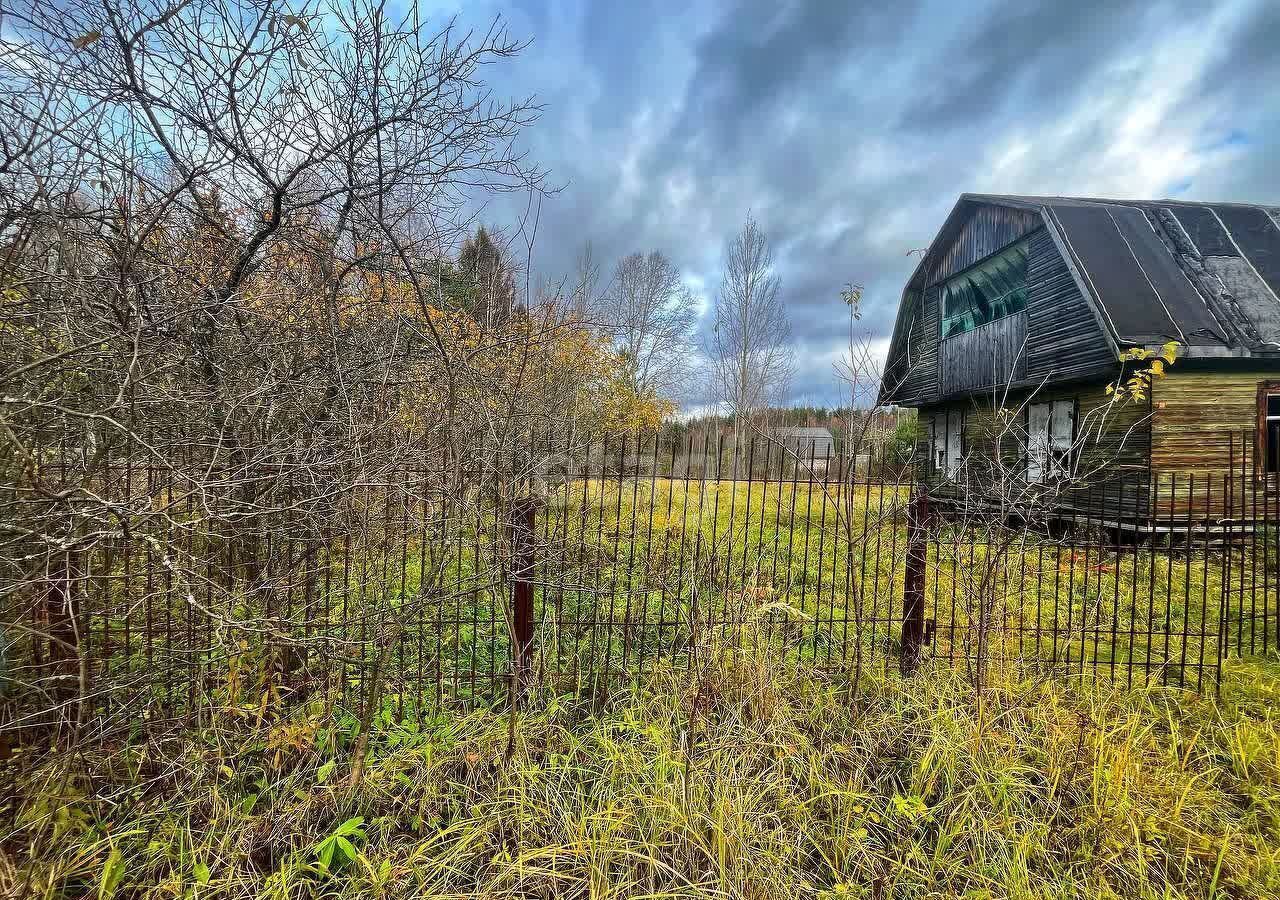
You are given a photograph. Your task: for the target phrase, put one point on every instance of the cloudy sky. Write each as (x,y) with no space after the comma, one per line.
(849,128)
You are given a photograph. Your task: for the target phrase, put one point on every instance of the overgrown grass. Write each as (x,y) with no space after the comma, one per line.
(747,780)
(628,571)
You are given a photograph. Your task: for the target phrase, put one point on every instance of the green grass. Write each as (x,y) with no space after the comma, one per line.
(630,572)
(755,780)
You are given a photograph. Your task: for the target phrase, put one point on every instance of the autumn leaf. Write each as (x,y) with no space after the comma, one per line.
(86,39)
(288,22)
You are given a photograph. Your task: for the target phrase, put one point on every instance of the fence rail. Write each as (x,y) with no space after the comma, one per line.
(596,564)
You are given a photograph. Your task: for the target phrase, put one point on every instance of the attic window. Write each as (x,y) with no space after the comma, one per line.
(990,290)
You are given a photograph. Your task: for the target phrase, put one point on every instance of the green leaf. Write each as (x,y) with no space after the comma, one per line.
(323,773)
(112,872)
(202,873)
(324,853)
(351,826)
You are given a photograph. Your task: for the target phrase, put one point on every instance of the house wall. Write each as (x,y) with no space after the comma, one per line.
(991,354)
(1064,337)
(1206,421)
(913,366)
(1204,431)
(1191,445)
(1115,441)
(1119,433)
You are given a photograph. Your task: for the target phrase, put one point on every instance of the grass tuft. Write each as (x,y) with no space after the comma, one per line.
(749,781)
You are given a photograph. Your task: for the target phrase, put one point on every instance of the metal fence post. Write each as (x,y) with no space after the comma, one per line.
(522,587)
(913,624)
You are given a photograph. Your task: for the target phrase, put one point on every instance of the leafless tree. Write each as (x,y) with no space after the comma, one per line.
(650,315)
(748,348)
(585,290)
(230,328)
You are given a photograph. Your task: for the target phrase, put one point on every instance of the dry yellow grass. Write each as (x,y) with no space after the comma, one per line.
(752,781)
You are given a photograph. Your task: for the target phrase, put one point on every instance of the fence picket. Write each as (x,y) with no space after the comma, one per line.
(647,549)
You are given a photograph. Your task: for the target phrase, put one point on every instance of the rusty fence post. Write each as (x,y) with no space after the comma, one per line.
(913,619)
(522,588)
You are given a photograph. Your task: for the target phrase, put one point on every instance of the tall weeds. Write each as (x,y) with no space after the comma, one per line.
(781,790)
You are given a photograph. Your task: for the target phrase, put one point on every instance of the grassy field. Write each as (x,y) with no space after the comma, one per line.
(629,572)
(754,780)
(631,569)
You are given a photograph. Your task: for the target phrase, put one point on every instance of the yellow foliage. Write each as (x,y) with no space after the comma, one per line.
(1137,385)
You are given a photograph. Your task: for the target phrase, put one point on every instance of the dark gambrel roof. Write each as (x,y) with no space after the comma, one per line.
(1204,274)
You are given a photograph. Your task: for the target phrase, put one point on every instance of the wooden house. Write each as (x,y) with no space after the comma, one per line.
(1025,306)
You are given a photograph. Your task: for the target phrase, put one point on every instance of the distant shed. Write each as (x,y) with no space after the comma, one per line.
(808,441)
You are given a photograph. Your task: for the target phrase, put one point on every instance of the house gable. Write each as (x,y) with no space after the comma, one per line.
(1059,335)
(1102,275)
(980,232)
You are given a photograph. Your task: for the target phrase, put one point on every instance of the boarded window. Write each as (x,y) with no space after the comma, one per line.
(938,435)
(947,431)
(955,441)
(990,290)
(1051,432)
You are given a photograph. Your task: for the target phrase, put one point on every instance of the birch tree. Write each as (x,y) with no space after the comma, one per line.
(748,347)
(650,315)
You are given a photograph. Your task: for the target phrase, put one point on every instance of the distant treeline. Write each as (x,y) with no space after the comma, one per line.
(833,417)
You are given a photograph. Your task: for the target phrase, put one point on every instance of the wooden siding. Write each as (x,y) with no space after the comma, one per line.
(1114,452)
(918,367)
(991,354)
(1064,339)
(1121,431)
(1204,433)
(1199,418)
(983,233)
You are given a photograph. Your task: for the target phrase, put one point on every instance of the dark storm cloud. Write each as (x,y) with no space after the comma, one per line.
(762,63)
(849,129)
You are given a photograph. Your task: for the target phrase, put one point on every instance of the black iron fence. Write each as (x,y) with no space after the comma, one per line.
(596,563)
(1168,593)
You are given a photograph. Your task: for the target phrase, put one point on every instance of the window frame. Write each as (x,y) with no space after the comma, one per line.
(967,272)
(940,443)
(956,463)
(1266,390)
(935,464)
(1057,461)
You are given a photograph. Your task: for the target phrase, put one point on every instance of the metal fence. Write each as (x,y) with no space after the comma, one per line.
(1095,588)
(598,563)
